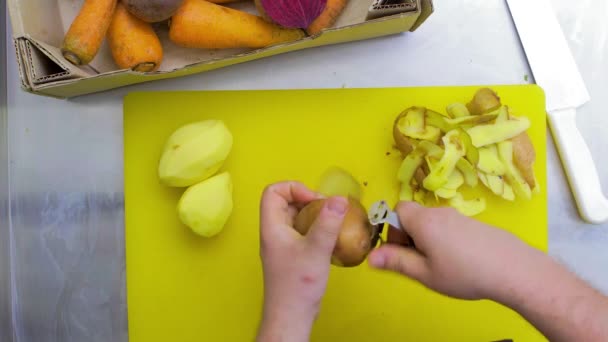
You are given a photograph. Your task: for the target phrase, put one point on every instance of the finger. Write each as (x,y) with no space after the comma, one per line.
(276,199)
(292,212)
(290,192)
(325,229)
(406,261)
(409,215)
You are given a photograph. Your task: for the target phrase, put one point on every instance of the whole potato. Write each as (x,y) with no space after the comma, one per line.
(205,207)
(152,11)
(194,152)
(357,235)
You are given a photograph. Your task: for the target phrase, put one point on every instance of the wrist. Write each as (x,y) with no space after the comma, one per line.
(286,321)
(523,276)
(518,269)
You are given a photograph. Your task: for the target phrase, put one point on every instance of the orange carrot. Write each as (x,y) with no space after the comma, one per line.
(133,42)
(223,1)
(201,24)
(328,17)
(81,43)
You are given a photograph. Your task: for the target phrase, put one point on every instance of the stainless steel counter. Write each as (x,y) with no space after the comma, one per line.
(5,308)
(65,277)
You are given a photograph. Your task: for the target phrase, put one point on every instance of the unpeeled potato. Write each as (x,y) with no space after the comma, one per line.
(357,235)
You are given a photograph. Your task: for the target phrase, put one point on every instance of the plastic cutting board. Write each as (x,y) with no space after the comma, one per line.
(182,287)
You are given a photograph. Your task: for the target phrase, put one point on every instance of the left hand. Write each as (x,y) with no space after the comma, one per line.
(296,267)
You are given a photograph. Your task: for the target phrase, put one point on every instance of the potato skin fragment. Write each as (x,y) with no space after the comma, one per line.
(404,144)
(482,125)
(485,100)
(524,157)
(482,135)
(513,176)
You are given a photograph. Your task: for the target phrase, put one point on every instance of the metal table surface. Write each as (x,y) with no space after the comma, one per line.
(61,183)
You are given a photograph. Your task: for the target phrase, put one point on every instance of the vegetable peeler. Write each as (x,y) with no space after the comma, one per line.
(381,213)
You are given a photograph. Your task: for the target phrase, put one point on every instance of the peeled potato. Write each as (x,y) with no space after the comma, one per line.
(338,182)
(357,235)
(206,206)
(194,153)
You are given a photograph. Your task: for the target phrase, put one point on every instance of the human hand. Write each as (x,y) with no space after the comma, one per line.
(455,255)
(296,267)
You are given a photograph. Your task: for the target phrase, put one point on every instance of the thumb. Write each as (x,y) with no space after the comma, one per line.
(406,261)
(325,229)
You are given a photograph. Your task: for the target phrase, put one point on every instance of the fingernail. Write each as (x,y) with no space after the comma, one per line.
(376,260)
(338,205)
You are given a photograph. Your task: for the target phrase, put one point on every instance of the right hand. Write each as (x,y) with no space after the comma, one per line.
(455,255)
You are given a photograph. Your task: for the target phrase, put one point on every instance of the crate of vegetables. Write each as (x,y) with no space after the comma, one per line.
(68,48)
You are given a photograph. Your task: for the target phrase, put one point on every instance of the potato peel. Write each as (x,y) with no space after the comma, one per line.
(485,100)
(454,149)
(470,207)
(406,172)
(483,135)
(457,110)
(489,162)
(481,141)
(339,182)
(520,187)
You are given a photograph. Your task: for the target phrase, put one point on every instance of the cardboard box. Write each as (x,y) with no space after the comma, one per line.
(39,26)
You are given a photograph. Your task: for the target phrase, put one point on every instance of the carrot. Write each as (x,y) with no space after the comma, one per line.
(86,33)
(223,1)
(133,42)
(328,17)
(201,24)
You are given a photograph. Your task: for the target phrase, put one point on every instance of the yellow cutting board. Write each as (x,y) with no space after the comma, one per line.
(182,287)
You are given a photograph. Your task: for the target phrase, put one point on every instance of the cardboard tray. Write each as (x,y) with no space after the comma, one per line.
(39,26)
